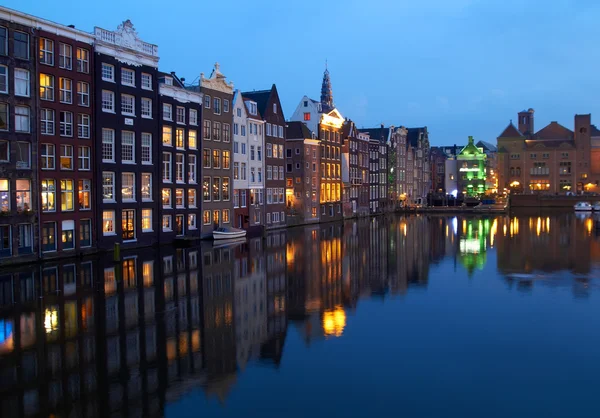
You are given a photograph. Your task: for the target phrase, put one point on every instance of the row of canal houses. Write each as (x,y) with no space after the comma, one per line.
(99,147)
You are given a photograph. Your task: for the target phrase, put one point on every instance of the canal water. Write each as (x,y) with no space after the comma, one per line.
(417,316)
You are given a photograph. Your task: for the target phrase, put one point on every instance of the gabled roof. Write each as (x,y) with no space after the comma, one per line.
(594,131)
(261,97)
(380,133)
(412,137)
(258,114)
(510,132)
(487,146)
(298,130)
(554,131)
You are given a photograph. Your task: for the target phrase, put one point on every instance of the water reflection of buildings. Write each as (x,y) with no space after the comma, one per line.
(97,338)
(537,243)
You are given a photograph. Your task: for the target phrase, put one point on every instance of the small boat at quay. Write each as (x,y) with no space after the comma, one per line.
(583,207)
(596,207)
(228,233)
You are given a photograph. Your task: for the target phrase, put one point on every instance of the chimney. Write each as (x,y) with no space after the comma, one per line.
(72,26)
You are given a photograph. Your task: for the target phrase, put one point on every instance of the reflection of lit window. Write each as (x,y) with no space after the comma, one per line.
(51,320)
(110,284)
(334,322)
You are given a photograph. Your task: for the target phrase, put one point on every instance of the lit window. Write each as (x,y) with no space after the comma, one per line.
(48,195)
(206,217)
(67,196)
(192,198)
(166,223)
(179,198)
(108,222)
(180,138)
(108,186)
(84,189)
(66,157)
(192,139)
(166,198)
(23,195)
(146,187)
(192,221)
(146,220)
(83,60)
(46,87)
(128,187)
(167,136)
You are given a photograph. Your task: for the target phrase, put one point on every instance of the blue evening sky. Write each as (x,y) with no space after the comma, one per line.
(461,67)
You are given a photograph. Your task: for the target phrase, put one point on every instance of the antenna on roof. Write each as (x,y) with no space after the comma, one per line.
(325,63)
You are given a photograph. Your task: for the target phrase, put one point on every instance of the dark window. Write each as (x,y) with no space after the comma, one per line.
(3,41)
(5,241)
(85,273)
(25,239)
(289,153)
(49,236)
(85,233)
(21,45)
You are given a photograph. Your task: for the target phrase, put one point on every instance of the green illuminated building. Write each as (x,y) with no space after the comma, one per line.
(471,169)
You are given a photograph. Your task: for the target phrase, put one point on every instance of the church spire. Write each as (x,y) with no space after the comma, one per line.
(326,92)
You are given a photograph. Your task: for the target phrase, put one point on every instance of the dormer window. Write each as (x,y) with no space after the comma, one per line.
(253,109)
(169,81)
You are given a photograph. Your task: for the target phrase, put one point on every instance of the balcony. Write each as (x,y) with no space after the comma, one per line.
(131,41)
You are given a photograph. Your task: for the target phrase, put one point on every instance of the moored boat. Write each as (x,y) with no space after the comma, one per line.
(228,233)
(596,207)
(583,206)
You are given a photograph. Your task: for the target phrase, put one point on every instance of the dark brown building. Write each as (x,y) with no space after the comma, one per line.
(217,151)
(438,170)
(302,174)
(18,133)
(66,138)
(180,122)
(269,106)
(126,127)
